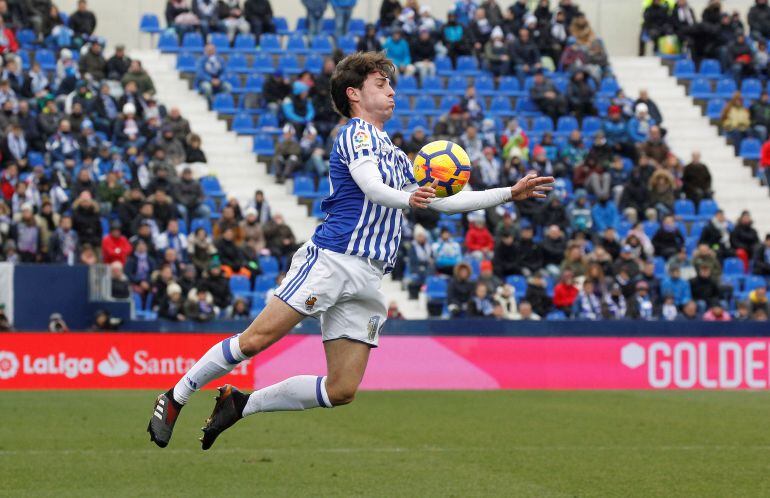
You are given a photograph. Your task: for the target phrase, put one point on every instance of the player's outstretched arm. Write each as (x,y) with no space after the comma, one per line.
(367,176)
(529,186)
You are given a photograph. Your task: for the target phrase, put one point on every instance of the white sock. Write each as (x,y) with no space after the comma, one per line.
(221,359)
(295,393)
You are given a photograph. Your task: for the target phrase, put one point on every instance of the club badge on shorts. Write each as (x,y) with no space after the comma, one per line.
(310,302)
(373,327)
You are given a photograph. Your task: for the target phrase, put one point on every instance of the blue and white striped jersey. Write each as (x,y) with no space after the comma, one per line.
(353,224)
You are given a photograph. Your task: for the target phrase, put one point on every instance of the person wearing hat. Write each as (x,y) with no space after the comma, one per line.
(488,278)
(171,305)
(640,124)
(453,37)
(115,245)
(297,108)
(172,147)
(496,58)
(640,306)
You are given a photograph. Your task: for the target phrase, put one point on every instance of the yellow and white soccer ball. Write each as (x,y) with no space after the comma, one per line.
(446,162)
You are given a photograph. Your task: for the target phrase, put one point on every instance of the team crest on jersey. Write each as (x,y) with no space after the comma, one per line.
(373,327)
(310,302)
(361,140)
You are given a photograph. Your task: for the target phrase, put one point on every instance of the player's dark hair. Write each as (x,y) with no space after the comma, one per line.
(352,72)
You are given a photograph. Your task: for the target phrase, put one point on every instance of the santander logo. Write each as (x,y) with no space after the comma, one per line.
(114,365)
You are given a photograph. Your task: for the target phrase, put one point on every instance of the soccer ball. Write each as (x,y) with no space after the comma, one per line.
(446,162)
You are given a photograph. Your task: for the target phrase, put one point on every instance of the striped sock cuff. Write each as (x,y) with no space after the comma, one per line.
(320,393)
(231,350)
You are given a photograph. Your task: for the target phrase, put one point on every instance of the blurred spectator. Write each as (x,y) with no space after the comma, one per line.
(481,304)
(115,246)
(744,237)
(217,284)
(446,253)
(397,49)
(716,313)
(761,262)
(537,295)
(640,306)
(506,299)
(565,292)
(423,52)
(478,240)
(201,250)
(171,305)
(370,42)
(120,284)
(64,243)
(459,290)
(696,179)
(655,24)
(421,262)
(668,240)
(137,76)
(199,306)
(208,74)
(580,95)
(239,310)
(343,9)
(736,120)
(139,267)
(389,10)
(529,253)
(677,287)
(545,95)
(488,277)
(315,12)
(758,299)
(496,58)
(526,312)
(393,312)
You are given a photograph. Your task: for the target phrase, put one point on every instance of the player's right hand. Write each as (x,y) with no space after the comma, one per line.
(421,197)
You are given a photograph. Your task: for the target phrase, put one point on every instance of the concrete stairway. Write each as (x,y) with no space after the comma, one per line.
(231,160)
(689,130)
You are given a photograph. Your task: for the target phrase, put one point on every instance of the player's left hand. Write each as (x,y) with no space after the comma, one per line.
(532,186)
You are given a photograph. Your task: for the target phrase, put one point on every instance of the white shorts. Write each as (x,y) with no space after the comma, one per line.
(340,289)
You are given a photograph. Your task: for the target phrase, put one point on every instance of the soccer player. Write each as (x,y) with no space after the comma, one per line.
(335,276)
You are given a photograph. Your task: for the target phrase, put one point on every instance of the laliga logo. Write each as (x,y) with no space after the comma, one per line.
(9,365)
(114,365)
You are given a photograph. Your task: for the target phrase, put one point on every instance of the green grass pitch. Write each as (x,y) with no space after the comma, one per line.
(390,444)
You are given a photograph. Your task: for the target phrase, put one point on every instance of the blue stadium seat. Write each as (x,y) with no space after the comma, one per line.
(510,86)
(327,26)
(168,42)
(650,227)
(608,87)
(303,187)
(751,88)
(402,104)
(591,124)
(542,124)
(457,85)
(26,38)
(243,124)
(714,108)
(556,315)
(35,158)
(289,64)
(258,303)
(436,288)
(734,281)
(468,65)
(446,104)
(321,44)
(314,63)
(700,88)
(270,43)
(432,85)
(263,145)
(416,121)
(211,187)
(684,209)
(526,107)
(485,86)
(684,69)
(707,208)
(186,62)
(566,125)
(203,223)
(444,66)
(710,68)
(660,266)
(347,43)
(733,266)
(238,63)
(281,25)
(519,284)
(263,283)
(324,187)
(301,26)
(696,229)
(193,42)
(268,123)
(246,43)
(407,85)
(46,59)
(149,23)
(221,41)
(296,44)
(316,211)
(254,83)
(269,265)
(240,286)
(726,88)
(263,63)
(357,27)
(501,106)
(426,105)
(224,104)
(750,149)
(753,282)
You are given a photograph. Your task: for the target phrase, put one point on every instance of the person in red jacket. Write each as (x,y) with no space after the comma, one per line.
(8,41)
(565,292)
(479,241)
(115,246)
(764,161)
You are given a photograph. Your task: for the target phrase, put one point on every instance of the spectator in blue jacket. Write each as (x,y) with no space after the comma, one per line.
(640,124)
(298,108)
(616,132)
(315,13)
(398,51)
(465,10)
(343,9)
(605,215)
(208,75)
(677,287)
(64,147)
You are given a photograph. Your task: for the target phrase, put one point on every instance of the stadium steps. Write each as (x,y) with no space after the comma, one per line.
(688,130)
(229,157)
(239,172)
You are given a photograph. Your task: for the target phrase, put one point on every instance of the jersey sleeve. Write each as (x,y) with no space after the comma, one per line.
(408,170)
(355,143)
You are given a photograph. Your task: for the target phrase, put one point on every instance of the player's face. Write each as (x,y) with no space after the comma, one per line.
(377,96)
